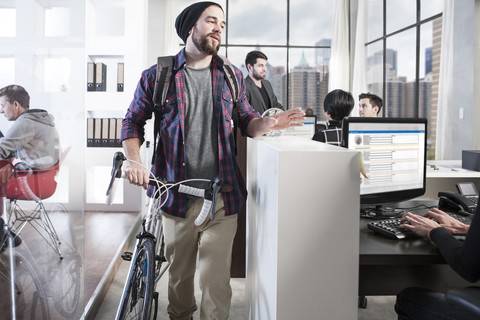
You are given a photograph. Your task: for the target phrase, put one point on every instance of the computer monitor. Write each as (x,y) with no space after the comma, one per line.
(307,130)
(393,153)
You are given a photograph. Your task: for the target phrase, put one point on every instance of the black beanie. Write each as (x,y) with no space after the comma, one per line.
(189,16)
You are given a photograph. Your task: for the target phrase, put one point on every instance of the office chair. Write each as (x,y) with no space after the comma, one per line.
(34,185)
(466,299)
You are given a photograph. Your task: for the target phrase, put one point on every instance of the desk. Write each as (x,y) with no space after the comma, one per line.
(445,175)
(387,265)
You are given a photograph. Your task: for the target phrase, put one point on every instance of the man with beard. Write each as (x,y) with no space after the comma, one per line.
(259,91)
(195,141)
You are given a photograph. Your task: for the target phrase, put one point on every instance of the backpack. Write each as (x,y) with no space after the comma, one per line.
(162,83)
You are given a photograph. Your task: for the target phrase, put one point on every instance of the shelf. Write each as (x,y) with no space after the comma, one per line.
(449,169)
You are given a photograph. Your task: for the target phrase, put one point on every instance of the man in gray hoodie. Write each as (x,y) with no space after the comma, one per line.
(32,139)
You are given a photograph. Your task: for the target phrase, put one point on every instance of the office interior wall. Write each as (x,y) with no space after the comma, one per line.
(476,80)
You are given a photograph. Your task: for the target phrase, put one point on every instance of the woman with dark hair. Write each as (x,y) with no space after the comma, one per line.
(337,105)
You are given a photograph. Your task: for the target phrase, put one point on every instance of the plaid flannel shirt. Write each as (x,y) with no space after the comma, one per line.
(170,159)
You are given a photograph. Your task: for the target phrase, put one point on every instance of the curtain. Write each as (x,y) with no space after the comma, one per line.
(443,148)
(359,81)
(339,61)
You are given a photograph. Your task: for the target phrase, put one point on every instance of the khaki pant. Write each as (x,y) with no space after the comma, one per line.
(213,242)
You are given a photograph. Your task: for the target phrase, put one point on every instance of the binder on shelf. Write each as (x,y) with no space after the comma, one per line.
(100,76)
(90,128)
(97,132)
(112,132)
(105,131)
(91,76)
(120,76)
(119,131)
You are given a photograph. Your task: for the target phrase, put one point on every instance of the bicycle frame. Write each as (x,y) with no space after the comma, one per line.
(152,231)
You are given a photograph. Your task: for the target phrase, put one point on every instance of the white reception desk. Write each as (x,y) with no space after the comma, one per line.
(302,230)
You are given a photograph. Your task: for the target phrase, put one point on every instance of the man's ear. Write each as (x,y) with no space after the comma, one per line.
(376,109)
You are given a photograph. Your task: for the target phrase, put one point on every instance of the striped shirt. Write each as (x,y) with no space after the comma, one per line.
(170,158)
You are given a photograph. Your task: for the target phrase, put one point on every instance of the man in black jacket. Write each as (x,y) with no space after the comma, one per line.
(259,91)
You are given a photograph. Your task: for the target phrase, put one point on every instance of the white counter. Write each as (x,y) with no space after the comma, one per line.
(302,230)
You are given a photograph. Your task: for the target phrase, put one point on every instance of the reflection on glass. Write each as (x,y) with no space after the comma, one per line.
(57,22)
(53,72)
(375,14)
(430,8)
(400,13)
(8,21)
(257,22)
(305,17)
(308,79)
(375,68)
(7,76)
(400,73)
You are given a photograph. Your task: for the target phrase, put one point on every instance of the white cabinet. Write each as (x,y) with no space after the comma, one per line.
(302,229)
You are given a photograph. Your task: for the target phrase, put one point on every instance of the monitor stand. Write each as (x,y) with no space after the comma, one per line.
(381,212)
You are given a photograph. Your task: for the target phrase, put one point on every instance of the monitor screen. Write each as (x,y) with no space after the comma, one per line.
(307,130)
(393,153)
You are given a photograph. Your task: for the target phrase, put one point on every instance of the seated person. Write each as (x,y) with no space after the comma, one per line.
(369,105)
(337,105)
(464,258)
(32,139)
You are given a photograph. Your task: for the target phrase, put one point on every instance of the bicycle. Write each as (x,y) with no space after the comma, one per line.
(139,299)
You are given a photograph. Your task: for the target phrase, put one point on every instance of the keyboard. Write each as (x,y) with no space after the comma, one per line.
(464,219)
(390,227)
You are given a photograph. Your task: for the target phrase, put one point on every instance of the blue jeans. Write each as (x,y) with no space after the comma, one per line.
(422,304)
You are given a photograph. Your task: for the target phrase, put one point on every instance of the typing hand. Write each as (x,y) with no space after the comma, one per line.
(418,224)
(448,222)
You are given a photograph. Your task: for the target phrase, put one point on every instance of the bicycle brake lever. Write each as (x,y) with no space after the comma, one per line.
(118,159)
(212,194)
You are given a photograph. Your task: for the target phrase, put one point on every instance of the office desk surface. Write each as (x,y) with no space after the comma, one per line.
(376,249)
(386,266)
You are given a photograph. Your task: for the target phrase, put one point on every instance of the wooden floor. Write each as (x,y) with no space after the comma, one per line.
(73,287)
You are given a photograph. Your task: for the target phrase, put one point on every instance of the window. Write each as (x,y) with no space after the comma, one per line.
(403,58)
(295,39)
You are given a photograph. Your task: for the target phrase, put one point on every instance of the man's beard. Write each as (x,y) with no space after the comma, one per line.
(258,76)
(203,44)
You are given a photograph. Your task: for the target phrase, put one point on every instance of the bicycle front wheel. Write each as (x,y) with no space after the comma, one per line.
(137,298)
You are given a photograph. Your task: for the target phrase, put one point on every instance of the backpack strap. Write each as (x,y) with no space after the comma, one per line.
(162,82)
(233,86)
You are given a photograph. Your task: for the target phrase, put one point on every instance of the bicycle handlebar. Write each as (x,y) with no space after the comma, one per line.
(208,194)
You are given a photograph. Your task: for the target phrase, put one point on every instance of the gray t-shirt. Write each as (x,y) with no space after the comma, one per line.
(201,133)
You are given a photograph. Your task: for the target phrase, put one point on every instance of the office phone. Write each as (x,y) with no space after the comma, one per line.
(463,202)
